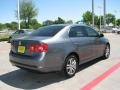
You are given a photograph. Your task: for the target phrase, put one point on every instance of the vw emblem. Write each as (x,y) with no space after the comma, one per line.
(20,43)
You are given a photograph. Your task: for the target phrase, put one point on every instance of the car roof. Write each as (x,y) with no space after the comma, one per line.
(69,25)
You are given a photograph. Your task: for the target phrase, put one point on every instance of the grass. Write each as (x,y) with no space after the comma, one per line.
(4,37)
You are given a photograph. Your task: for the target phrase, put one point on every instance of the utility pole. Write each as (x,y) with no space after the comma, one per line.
(93,13)
(104,4)
(18,13)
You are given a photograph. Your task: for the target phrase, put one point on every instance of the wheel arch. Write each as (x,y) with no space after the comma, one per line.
(108,44)
(77,56)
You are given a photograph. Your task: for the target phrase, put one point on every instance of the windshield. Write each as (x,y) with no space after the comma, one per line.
(47,31)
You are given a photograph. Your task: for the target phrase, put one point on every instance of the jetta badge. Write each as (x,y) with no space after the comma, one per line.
(20,43)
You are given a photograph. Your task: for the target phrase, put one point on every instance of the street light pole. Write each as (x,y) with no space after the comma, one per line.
(99,7)
(104,4)
(115,17)
(18,13)
(93,13)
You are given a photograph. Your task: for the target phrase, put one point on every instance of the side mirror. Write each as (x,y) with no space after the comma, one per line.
(101,35)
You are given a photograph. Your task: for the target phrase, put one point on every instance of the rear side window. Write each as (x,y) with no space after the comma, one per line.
(77,31)
(47,31)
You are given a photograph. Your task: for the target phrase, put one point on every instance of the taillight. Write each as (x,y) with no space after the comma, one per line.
(38,48)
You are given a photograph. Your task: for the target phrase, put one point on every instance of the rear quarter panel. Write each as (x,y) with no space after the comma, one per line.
(58,49)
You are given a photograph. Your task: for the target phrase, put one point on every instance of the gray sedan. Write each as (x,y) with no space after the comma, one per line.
(59,48)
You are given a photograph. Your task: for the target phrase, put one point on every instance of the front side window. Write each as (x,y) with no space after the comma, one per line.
(91,32)
(77,31)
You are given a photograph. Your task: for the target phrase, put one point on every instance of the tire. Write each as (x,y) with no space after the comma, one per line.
(119,32)
(70,66)
(106,52)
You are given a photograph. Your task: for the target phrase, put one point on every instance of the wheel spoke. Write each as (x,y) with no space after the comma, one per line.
(107,51)
(71,66)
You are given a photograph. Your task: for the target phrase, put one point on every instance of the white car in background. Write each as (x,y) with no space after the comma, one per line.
(116,30)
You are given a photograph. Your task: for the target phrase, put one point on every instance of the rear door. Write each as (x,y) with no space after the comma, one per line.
(82,43)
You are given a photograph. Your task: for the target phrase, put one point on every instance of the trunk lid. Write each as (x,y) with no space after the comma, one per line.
(21,45)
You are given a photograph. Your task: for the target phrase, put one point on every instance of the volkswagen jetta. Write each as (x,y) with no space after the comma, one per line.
(59,48)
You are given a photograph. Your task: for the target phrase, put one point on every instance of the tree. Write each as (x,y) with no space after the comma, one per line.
(1,26)
(87,17)
(14,25)
(48,22)
(28,11)
(8,25)
(35,24)
(118,22)
(59,21)
(110,18)
(97,20)
(69,22)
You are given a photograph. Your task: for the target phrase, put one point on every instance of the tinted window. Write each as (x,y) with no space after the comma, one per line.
(47,31)
(91,32)
(21,32)
(78,31)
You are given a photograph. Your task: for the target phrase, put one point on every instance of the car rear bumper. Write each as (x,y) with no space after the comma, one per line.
(32,63)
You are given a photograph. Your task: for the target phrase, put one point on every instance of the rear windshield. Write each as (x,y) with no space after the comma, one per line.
(47,31)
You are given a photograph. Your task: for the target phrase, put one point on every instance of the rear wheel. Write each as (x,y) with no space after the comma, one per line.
(71,66)
(106,52)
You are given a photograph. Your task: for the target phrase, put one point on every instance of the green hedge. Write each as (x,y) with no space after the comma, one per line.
(4,37)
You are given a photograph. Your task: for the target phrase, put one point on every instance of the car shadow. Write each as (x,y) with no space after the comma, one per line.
(90,63)
(29,80)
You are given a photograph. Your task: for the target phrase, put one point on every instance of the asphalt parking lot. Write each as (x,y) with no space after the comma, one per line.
(96,75)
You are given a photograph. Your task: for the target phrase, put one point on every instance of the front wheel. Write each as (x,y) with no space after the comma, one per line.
(106,52)
(118,32)
(71,66)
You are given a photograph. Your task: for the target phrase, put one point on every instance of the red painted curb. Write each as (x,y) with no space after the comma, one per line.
(96,81)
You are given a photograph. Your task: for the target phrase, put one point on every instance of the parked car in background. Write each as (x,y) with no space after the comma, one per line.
(118,31)
(106,30)
(59,48)
(114,30)
(20,33)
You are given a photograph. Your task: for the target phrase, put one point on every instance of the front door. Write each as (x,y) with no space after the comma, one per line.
(82,43)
